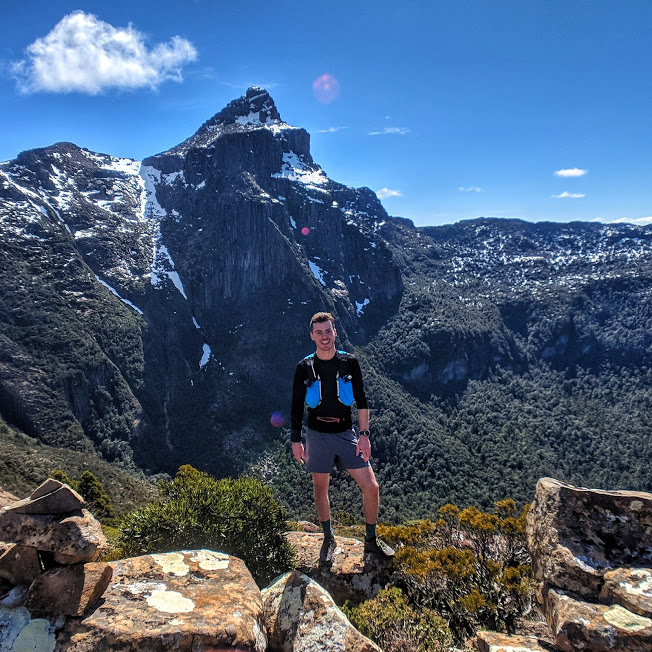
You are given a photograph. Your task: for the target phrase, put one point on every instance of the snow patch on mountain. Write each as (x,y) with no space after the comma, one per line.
(114,291)
(151,208)
(317,272)
(163,266)
(295,169)
(206,357)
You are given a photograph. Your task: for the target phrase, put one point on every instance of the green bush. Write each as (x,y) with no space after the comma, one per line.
(239,517)
(396,626)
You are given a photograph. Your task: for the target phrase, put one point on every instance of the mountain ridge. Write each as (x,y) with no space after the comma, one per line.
(133,296)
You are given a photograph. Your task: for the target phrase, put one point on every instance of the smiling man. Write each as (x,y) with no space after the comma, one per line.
(328,382)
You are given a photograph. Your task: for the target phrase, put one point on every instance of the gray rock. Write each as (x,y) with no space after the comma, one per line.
(301,617)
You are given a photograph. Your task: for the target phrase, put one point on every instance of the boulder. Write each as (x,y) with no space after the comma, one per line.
(307,526)
(19,564)
(591,557)
(591,627)
(190,600)
(576,535)
(351,575)
(495,642)
(68,590)
(71,539)
(51,497)
(301,617)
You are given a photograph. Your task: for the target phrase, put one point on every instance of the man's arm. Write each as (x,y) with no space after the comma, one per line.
(296,414)
(364,445)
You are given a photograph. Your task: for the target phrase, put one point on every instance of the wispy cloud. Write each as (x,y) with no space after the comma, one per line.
(330,130)
(470,189)
(384,193)
(83,54)
(571,172)
(390,130)
(569,195)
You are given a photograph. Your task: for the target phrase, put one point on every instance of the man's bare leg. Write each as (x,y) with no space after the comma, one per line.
(320,483)
(366,480)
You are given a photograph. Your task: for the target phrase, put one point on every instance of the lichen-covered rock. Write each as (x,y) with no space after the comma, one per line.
(18,564)
(591,556)
(629,587)
(591,627)
(68,590)
(71,539)
(301,617)
(19,632)
(351,575)
(182,601)
(496,642)
(576,535)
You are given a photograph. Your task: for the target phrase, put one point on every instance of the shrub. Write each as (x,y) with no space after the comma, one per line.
(239,517)
(391,622)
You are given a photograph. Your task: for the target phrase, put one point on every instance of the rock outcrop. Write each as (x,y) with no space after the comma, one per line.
(592,559)
(185,601)
(351,575)
(301,617)
(54,522)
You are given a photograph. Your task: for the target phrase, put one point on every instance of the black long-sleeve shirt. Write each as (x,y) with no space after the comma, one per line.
(331,408)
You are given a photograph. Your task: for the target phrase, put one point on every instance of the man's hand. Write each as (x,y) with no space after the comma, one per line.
(299,452)
(364,447)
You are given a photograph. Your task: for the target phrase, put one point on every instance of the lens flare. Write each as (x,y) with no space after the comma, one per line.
(277,420)
(326,89)
(305,230)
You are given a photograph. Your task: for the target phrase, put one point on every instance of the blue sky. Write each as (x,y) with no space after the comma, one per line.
(536,109)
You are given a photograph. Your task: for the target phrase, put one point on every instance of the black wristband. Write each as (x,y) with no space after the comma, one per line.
(364,433)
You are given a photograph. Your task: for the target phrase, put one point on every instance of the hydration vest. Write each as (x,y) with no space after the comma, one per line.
(344,384)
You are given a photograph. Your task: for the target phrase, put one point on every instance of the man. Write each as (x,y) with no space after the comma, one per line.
(328,381)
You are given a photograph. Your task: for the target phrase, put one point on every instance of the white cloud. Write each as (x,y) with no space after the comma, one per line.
(84,54)
(390,130)
(571,172)
(470,189)
(569,195)
(384,193)
(330,130)
(642,221)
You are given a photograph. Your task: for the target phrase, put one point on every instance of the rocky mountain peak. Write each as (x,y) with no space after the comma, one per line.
(254,110)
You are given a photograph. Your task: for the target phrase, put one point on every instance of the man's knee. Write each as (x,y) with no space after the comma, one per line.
(370,487)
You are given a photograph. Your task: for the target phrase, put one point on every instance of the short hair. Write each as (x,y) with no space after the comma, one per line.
(319,317)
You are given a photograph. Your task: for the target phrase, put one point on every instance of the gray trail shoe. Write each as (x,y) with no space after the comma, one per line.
(378,547)
(327,550)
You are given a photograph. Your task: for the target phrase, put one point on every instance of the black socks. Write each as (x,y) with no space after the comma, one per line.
(370,531)
(328,529)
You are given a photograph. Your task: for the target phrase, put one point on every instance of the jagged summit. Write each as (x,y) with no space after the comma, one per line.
(255,106)
(254,110)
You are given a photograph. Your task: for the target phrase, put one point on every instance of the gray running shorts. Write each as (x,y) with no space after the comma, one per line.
(325,449)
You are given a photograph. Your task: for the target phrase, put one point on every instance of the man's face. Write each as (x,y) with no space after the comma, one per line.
(323,335)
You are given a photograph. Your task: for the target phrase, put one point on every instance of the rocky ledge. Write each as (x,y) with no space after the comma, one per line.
(55,596)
